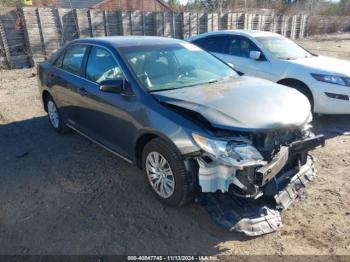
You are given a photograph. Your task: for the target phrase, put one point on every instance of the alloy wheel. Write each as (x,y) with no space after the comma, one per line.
(160,175)
(53,114)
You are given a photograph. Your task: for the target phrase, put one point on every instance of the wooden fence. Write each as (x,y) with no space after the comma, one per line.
(328,24)
(30,35)
(13,48)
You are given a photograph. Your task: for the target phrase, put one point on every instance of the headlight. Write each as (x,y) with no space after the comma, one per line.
(338,80)
(244,152)
(228,149)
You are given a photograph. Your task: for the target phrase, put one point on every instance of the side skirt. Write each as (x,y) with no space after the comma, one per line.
(101,145)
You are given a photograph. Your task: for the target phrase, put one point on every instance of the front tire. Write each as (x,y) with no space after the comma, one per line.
(55,117)
(166,173)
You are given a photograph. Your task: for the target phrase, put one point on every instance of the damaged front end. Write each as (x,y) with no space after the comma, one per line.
(255,145)
(248,178)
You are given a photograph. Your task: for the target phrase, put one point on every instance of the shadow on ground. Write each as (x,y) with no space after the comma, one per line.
(331,125)
(61,194)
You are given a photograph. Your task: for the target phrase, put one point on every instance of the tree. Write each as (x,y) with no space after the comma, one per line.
(37,3)
(10,3)
(344,7)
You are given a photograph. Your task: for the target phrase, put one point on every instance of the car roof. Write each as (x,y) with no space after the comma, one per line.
(251,33)
(126,41)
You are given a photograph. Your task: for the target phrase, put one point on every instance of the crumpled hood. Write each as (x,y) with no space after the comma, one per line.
(242,103)
(326,64)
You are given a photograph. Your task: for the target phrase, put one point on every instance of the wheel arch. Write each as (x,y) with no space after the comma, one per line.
(146,136)
(140,143)
(293,82)
(45,94)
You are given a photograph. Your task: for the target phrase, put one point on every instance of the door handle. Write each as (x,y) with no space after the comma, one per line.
(82,91)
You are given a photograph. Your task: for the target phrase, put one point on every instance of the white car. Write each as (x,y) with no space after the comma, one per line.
(323,80)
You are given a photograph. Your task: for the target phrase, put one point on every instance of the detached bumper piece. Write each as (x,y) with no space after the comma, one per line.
(287,195)
(239,214)
(255,217)
(307,145)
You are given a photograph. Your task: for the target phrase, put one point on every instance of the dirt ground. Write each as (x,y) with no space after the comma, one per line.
(61,194)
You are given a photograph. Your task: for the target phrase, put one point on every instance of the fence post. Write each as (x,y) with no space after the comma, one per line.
(176,28)
(158,24)
(59,26)
(143,23)
(185,24)
(248,21)
(41,33)
(193,24)
(272,19)
(216,20)
(98,23)
(49,26)
(149,23)
(6,46)
(83,22)
(106,22)
(137,23)
(284,26)
(167,24)
(303,26)
(209,26)
(125,23)
(26,39)
(173,24)
(293,32)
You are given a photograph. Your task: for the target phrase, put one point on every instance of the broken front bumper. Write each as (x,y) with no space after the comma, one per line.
(218,175)
(260,216)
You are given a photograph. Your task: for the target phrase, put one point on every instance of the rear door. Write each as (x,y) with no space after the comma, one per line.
(68,72)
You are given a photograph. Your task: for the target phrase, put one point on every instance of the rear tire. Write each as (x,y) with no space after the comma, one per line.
(56,120)
(164,167)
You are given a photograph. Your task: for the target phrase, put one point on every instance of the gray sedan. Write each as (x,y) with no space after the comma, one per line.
(190,121)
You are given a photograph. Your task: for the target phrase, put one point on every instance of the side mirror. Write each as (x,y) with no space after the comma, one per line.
(112,86)
(255,55)
(231,65)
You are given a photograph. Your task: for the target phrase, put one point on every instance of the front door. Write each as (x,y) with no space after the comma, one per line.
(104,116)
(238,54)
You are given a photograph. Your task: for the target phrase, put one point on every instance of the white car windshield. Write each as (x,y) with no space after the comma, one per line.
(283,48)
(164,67)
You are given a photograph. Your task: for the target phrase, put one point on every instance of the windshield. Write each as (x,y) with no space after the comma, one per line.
(283,48)
(163,67)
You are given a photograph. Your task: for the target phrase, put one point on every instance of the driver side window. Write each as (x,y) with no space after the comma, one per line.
(240,46)
(102,66)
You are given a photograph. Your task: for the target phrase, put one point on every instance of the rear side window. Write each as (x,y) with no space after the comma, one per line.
(73,59)
(217,44)
(102,66)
